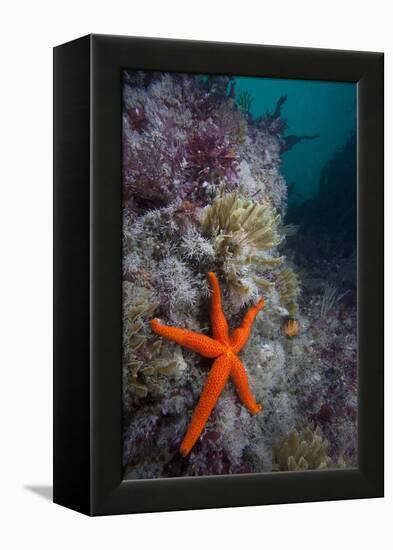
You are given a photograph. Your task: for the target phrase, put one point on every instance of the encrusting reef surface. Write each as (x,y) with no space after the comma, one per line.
(203,192)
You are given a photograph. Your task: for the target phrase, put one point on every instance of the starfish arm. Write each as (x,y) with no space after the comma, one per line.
(205,346)
(219,323)
(214,385)
(240,379)
(241,334)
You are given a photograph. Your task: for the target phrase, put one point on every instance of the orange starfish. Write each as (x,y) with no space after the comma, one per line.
(224,348)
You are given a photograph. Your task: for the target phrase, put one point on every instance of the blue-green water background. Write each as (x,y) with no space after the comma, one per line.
(312,107)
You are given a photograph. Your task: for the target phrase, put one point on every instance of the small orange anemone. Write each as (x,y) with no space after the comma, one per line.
(291,328)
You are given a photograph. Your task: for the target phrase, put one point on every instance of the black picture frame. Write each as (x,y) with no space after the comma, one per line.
(87,274)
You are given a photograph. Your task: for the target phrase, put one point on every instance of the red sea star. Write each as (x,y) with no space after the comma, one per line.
(224,348)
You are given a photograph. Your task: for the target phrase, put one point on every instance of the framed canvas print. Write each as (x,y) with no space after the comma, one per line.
(218,275)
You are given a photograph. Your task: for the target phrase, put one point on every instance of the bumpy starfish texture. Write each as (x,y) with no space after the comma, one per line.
(223,348)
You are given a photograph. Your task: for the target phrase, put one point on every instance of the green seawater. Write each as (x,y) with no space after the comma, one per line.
(312,107)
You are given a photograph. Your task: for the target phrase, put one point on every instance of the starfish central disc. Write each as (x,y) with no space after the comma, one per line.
(224,349)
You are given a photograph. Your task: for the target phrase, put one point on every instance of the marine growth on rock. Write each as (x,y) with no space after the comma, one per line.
(203,191)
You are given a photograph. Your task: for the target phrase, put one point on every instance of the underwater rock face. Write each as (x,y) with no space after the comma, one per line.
(202,191)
